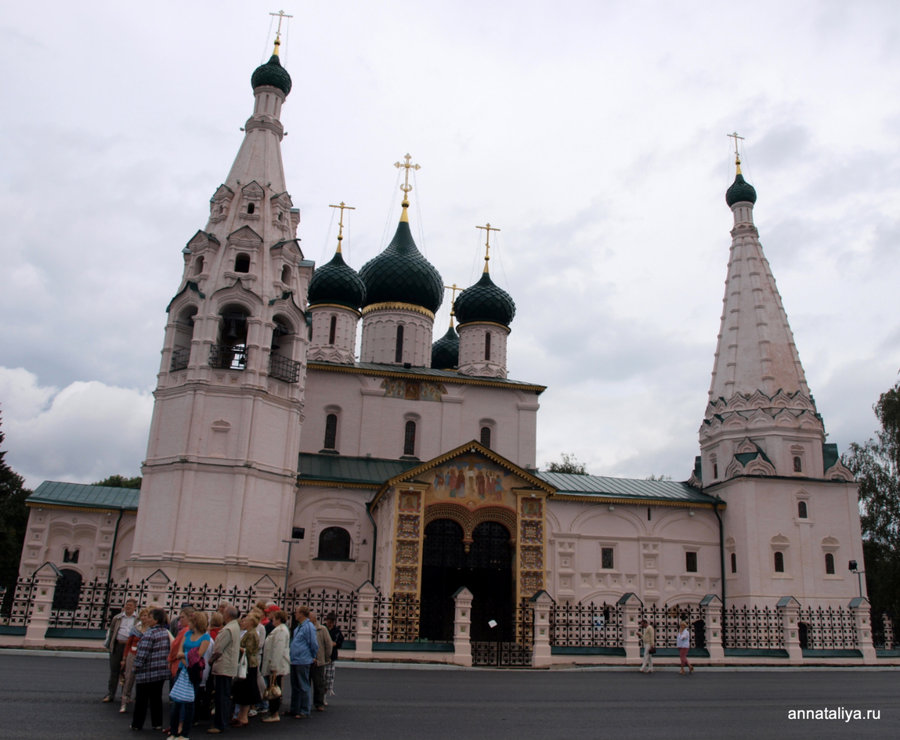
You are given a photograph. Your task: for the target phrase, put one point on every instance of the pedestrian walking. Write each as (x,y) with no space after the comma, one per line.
(648,636)
(683,642)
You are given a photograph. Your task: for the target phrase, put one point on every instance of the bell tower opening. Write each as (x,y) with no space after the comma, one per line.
(484,566)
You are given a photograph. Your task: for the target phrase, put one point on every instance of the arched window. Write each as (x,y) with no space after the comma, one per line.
(398,351)
(198,265)
(334,544)
(779,561)
(332,330)
(242,263)
(798,464)
(70,556)
(487,346)
(715,470)
(251,208)
(802,512)
(230,353)
(409,438)
(331,432)
(184,333)
(733,563)
(285,272)
(486,436)
(829,563)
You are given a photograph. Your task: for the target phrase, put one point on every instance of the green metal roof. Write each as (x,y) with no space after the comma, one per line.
(55,493)
(339,468)
(596,486)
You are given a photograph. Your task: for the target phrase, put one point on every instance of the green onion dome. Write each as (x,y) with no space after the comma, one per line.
(272,73)
(740,191)
(445,351)
(401,274)
(337,282)
(484,301)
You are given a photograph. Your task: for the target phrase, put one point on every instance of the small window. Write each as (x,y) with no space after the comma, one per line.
(486,436)
(409,438)
(198,266)
(779,562)
(285,274)
(70,556)
(330,432)
(487,346)
(649,517)
(251,208)
(798,464)
(802,512)
(242,263)
(829,564)
(733,563)
(398,351)
(715,470)
(690,561)
(606,558)
(332,330)
(334,544)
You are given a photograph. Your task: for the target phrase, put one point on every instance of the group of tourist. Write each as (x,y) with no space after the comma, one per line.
(221,668)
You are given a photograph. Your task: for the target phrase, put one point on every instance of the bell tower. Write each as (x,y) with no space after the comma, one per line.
(218,489)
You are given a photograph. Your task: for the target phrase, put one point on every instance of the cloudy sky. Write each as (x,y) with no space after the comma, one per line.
(593,134)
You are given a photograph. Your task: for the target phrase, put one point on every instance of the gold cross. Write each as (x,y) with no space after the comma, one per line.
(453,288)
(344,207)
(487,245)
(735,136)
(281,16)
(406,187)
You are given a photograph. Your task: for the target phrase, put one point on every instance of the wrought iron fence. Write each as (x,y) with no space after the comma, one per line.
(586,625)
(396,618)
(666,620)
(883,635)
(16,603)
(827,628)
(752,627)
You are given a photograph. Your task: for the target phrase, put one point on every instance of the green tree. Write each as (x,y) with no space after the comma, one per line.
(876,465)
(13,519)
(568,463)
(120,481)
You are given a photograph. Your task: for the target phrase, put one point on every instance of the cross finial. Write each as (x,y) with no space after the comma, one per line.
(737,156)
(452,288)
(281,16)
(487,245)
(344,207)
(406,187)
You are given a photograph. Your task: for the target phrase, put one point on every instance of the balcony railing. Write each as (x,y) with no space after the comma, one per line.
(284,368)
(228,357)
(180,357)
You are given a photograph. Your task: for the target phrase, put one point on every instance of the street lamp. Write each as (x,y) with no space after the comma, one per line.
(296,535)
(854,568)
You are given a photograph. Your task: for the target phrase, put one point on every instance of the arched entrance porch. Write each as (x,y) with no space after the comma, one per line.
(484,566)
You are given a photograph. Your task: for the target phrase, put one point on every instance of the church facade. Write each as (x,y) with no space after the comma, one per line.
(277,450)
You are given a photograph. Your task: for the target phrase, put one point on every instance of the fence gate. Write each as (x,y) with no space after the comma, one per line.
(501,654)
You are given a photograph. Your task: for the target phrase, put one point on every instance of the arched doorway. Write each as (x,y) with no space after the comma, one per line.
(485,569)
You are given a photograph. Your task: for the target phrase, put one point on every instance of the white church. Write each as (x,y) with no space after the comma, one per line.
(310,424)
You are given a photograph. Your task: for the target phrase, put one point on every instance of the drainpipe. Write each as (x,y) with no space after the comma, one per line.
(374,539)
(112,555)
(716,504)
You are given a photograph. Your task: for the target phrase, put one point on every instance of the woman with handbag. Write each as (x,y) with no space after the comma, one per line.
(187,672)
(276,662)
(246,690)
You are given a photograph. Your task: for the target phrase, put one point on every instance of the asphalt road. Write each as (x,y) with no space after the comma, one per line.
(44,696)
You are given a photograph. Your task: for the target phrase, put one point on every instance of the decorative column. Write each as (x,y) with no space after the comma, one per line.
(542,655)
(711,606)
(462,622)
(365,620)
(862,616)
(788,609)
(630,606)
(45,580)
